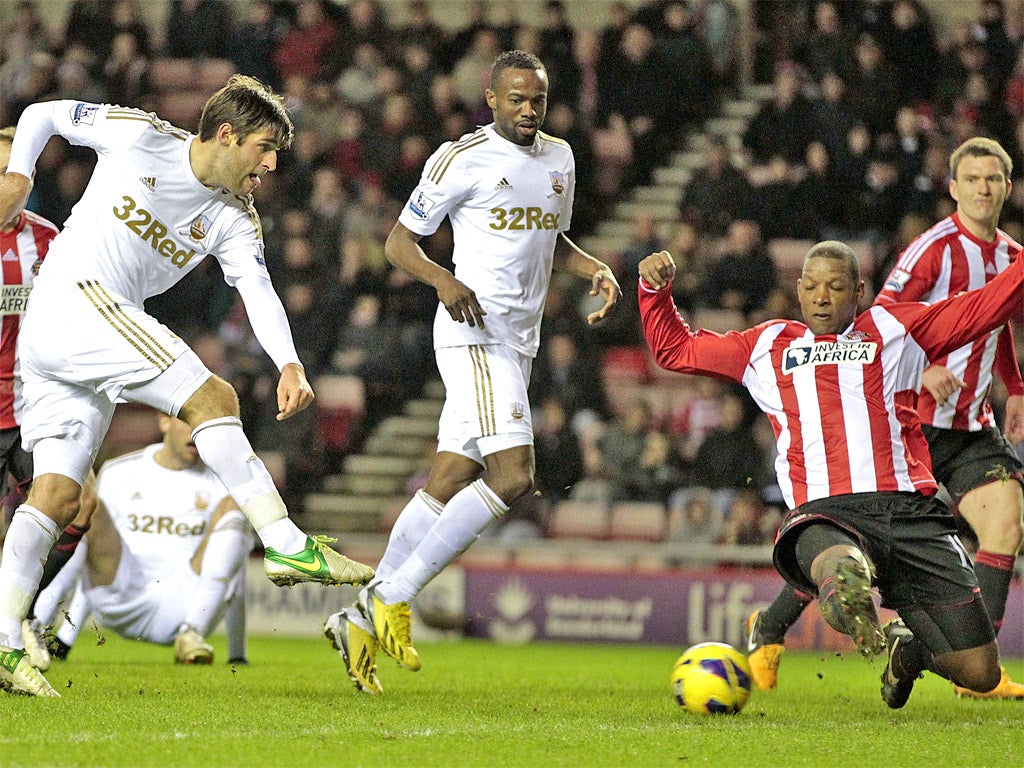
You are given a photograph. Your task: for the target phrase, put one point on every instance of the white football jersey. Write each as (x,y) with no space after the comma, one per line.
(507,205)
(160,513)
(144,220)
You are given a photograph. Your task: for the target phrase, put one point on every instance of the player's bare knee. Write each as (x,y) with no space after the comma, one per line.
(510,486)
(215,399)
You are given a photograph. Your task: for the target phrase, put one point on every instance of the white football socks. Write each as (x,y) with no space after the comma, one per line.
(461,522)
(29,539)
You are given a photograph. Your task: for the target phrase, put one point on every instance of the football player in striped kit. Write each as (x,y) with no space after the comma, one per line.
(159,201)
(978,466)
(508,191)
(840,390)
(24,242)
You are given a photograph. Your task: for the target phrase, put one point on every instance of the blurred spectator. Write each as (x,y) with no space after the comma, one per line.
(692,257)
(872,86)
(420,31)
(730,457)
(557,47)
(744,274)
(561,370)
(877,201)
(744,521)
(357,83)
(254,38)
(622,446)
(696,418)
(88,26)
(770,201)
(472,72)
(827,46)
(1001,52)
(834,114)
(198,29)
(715,194)
(658,471)
(682,51)
(784,125)
(720,24)
(558,451)
(632,89)
(126,71)
(912,49)
(303,48)
(695,520)
(817,201)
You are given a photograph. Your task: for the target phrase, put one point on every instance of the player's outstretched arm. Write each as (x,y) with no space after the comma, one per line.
(402,249)
(572,258)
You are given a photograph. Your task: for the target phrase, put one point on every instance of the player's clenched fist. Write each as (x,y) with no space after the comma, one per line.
(658,269)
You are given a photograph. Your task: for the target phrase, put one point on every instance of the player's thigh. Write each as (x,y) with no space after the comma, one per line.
(486,408)
(927,563)
(995,511)
(63,426)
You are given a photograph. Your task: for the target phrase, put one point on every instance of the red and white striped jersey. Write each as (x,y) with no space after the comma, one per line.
(22,249)
(841,405)
(942,262)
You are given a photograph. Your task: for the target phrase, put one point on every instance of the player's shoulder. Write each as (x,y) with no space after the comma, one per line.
(553,142)
(146,121)
(40,222)
(1012,246)
(243,209)
(457,154)
(126,462)
(936,235)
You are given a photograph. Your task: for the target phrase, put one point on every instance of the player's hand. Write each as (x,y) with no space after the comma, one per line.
(1013,425)
(293,391)
(658,270)
(460,301)
(604,282)
(941,383)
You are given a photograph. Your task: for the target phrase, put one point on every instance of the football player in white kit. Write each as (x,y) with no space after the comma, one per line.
(159,201)
(508,190)
(163,557)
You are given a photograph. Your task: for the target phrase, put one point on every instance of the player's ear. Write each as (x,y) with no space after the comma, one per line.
(225,133)
(492,98)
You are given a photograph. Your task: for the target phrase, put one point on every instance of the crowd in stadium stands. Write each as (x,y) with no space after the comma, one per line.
(867,100)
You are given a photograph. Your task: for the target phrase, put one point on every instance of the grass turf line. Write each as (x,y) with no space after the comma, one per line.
(481,704)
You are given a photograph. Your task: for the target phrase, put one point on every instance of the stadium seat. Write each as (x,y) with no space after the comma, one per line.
(626,363)
(340,406)
(637,521)
(572,519)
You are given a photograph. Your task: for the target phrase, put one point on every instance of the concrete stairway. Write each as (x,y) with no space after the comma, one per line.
(358,498)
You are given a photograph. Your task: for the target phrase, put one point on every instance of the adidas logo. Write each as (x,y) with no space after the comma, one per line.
(149,181)
(10,255)
(137,495)
(503,184)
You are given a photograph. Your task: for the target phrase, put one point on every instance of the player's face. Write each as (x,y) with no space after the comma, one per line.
(519,101)
(980,189)
(178,440)
(828,295)
(247,162)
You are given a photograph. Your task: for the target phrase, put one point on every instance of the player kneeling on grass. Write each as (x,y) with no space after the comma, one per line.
(163,560)
(839,389)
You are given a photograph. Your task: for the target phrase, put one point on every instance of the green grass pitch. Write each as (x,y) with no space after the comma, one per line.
(476,703)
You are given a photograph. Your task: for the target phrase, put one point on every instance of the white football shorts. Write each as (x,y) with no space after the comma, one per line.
(486,407)
(138,607)
(83,349)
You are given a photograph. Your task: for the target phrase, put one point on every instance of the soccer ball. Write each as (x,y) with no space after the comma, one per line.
(711,678)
